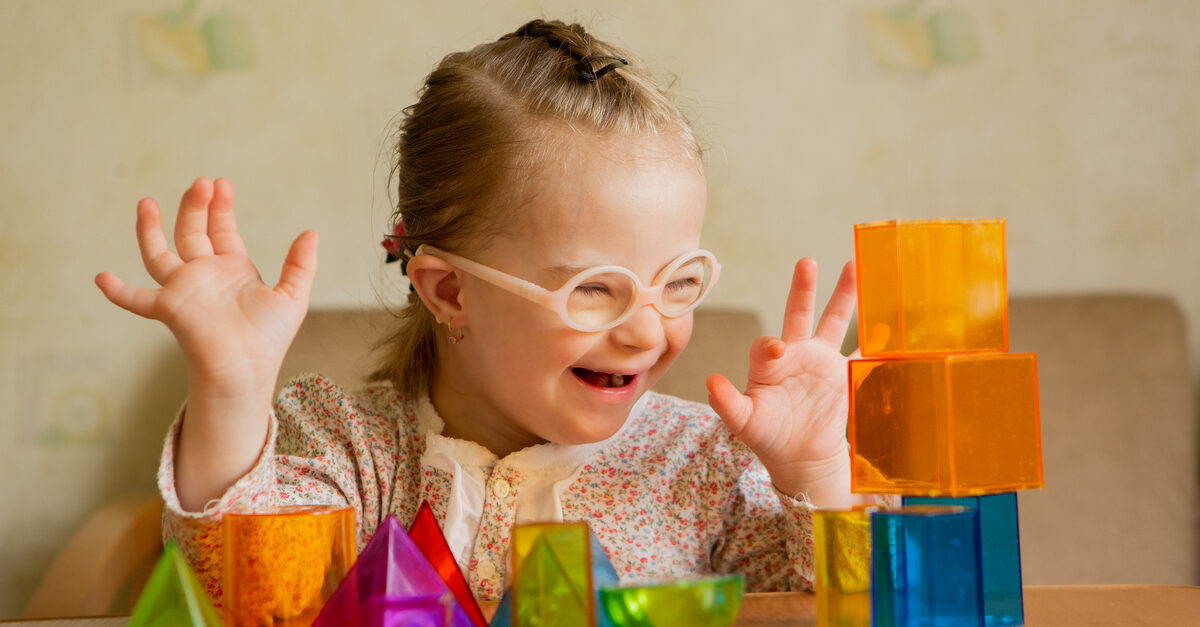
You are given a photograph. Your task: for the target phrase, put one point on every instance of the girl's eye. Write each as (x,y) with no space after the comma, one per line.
(591,289)
(684,285)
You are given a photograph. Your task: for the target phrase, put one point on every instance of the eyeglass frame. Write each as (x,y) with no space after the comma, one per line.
(556,300)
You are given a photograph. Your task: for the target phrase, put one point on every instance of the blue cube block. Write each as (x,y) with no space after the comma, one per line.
(1000,545)
(925,567)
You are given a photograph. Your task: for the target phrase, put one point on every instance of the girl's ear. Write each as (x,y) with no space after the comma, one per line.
(439,285)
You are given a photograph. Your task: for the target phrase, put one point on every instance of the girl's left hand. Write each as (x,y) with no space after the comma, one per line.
(794,411)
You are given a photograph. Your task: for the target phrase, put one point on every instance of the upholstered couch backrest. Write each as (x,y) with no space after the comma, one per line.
(1118,424)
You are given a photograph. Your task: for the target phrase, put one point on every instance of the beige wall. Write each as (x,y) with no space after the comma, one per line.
(1079,122)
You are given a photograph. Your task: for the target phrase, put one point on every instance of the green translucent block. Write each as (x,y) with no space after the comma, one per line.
(172,596)
(842,550)
(707,602)
(552,575)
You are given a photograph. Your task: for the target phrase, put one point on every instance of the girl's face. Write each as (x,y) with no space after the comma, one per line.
(521,376)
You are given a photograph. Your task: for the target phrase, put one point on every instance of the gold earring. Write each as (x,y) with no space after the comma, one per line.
(455,335)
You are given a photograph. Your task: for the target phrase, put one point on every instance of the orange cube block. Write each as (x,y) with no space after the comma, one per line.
(951,425)
(282,565)
(931,286)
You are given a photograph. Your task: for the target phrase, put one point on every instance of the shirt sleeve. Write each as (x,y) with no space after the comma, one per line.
(767,535)
(323,447)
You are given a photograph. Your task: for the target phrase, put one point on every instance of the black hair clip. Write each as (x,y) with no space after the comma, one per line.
(589,75)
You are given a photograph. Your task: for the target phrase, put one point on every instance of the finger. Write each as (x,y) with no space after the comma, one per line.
(222,225)
(299,267)
(732,406)
(191,225)
(159,261)
(836,317)
(798,314)
(136,300)
(764,353)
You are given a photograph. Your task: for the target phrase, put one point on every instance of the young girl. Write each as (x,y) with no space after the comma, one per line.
(550,207)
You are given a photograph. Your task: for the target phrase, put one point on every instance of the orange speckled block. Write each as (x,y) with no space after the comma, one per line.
(282,565)
(931,286)
(954,425)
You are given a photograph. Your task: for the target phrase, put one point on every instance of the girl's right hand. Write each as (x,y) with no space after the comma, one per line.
(233,328)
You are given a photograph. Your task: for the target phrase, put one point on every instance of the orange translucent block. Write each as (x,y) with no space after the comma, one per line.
(954,425)
(931,286)
(282,565)
(842,552)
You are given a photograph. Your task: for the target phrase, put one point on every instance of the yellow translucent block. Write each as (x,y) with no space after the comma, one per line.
(931,286)
(953,425)
(842,550)
(282,565)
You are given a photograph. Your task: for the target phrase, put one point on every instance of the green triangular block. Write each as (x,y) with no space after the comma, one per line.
(549,591)
(173,596)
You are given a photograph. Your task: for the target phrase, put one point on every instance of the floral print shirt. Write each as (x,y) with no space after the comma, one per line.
(671,495)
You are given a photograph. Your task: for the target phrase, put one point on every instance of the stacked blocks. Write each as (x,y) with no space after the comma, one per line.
(1000,555)
(932,286)
(945,425)
(281,566)
(173,597)
(926,568)
(939,408)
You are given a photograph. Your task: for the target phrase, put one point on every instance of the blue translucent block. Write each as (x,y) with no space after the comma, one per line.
(925,567)
(1000,544)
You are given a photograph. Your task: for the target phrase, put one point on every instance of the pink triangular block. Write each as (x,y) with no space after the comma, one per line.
(390,579)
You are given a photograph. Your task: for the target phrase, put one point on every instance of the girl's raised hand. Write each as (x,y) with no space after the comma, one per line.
(233,328)
(794,410)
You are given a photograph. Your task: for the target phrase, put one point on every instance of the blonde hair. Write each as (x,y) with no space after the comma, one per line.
(482,118)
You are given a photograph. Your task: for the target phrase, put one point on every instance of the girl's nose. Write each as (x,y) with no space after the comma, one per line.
(643,330)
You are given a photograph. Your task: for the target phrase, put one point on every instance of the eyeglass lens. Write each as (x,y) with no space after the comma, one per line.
(602,298)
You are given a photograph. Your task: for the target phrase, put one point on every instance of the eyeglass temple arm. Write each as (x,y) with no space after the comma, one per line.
(507,282)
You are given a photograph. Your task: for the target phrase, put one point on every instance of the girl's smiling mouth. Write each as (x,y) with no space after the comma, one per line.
(599,379)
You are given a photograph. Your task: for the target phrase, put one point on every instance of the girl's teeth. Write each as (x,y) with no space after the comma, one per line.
(616,380)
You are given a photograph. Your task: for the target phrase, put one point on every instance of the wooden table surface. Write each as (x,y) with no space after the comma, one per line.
(1045,606)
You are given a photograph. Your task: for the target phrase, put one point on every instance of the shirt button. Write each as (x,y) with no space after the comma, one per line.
(486,569)
(501,488)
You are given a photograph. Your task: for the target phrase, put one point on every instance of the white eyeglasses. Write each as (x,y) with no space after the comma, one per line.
(603,297)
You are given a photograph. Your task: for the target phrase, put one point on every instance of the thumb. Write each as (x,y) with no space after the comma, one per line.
(764,353)
(135,300)
(732,406)
(299,267)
